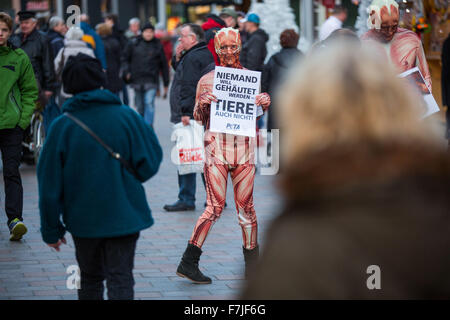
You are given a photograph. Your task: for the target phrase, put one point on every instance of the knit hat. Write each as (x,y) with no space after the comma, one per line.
(82,73)
(148,25)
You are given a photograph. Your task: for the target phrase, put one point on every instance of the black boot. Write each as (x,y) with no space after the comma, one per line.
(188,267)
(250,258)
(178,206)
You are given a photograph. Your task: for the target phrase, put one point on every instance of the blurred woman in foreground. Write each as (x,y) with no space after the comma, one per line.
(366,187)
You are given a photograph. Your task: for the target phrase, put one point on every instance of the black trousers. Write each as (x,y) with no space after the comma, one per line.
(11,148)
(110,259)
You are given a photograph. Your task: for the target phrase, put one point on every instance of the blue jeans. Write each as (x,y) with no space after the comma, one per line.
(125,95)
(51,112)
(187,184)
(145,103)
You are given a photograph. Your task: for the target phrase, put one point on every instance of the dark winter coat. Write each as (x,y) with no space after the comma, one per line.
(188,72)
(56,41)
(273,75)
(145,60)
(211,26)
(446,80)
(350,209)
(254,50)
(113,56)
(80,181)
(119,35)
(38,49)
(244,36)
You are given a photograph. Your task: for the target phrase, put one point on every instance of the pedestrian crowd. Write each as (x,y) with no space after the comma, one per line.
(363,177)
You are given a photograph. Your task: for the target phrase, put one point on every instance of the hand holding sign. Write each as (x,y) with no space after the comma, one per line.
(263,100)
(206,98)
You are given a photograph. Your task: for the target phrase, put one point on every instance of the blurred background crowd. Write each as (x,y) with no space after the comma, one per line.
(313,20)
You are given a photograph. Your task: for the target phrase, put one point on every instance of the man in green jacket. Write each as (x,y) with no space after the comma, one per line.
(18,93)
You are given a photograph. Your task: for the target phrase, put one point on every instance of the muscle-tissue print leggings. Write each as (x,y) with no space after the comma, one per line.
(242,177)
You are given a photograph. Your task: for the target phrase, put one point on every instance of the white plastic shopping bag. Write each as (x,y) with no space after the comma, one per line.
(188,153)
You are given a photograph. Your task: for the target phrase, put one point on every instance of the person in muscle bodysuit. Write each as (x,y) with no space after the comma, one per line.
(403,47)
(225,153)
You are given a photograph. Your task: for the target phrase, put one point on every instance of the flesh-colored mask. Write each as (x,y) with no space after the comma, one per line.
(227,43)
(389,23)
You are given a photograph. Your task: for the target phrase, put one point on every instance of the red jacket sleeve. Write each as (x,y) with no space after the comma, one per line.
(213,51)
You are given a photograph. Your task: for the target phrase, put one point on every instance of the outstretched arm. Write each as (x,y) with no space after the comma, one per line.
(203,98)
(421,62)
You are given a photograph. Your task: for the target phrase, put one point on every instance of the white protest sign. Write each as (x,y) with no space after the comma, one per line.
(416,79)
(235,112)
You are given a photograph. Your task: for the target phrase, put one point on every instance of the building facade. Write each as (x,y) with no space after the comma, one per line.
(309,14)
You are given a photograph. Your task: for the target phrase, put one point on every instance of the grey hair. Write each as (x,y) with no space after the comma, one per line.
(54,21)
(134,20)
(74,33)
(196,30)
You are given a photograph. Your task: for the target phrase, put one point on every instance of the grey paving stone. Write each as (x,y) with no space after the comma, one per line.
(39,298)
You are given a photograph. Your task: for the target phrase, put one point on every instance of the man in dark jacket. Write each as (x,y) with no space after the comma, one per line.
(105,227)
(113,21)
(55,34)
(36,46)
(189,68)
(254,50)
(144,59)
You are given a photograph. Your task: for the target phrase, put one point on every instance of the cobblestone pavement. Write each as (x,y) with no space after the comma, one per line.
(31,270)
